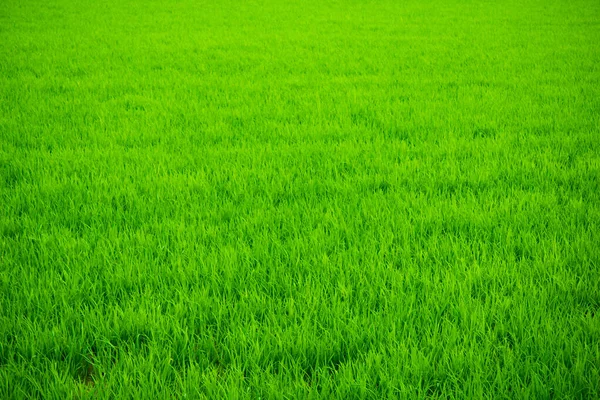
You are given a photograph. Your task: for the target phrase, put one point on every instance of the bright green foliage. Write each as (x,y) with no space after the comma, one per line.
(299,199)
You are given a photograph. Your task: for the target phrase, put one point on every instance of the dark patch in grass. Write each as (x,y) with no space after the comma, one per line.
(7,352)
(11,175)
(506,338)
(433,389)
(541,130)
(216,355)
(331,364)
(367,119)
(344,170)
(484,133)
(181,357)
(371,121)
(522,253)
(130,340)
(480,291)
(85,371)
(483,84)
(122,203)
(460,188)
(397,133)
(586,185)
(283,198)
(586,299)
(379,187)
(10,229)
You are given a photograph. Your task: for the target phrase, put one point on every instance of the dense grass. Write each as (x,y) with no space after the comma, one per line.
(291,199)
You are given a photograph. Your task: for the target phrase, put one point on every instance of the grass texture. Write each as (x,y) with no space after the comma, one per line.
(300,199)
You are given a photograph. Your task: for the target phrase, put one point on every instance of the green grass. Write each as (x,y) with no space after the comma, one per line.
(299,199)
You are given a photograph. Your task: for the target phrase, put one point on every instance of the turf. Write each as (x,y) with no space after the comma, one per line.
(299,199)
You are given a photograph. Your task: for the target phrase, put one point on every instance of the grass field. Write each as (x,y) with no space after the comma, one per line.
(300,199)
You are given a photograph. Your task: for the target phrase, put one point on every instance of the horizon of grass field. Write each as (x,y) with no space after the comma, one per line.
(274,199)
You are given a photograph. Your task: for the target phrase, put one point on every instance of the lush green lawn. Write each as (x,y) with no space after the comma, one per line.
(291,199)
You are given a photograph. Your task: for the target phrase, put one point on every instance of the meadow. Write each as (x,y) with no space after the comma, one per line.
(272,199)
